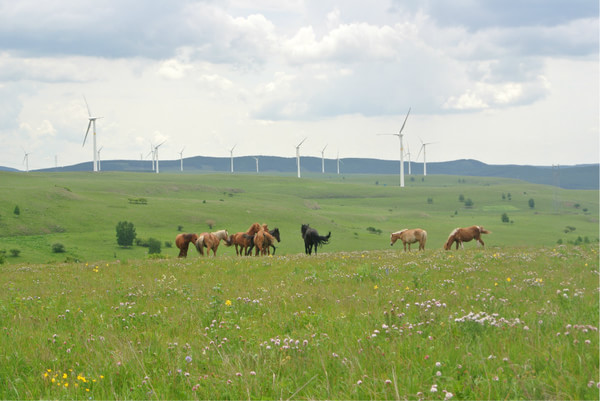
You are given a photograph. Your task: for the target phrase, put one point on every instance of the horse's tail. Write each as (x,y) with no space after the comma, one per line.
(200,245)
(324,239)
(424,236)
(484,231)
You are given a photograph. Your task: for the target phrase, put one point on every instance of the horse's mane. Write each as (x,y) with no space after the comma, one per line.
(400,232)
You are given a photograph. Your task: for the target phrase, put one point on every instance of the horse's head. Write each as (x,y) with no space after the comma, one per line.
(193,238)
(275,233)
(254,228)
(304,228)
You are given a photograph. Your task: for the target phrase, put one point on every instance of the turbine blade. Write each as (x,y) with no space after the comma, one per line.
(86,105)
(86,133)
(406,118)
(301,142)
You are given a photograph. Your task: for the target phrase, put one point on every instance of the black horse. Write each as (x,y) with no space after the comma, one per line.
(311,237)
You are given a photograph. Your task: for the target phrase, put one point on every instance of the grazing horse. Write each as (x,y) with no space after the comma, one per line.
(410,237)
(465,234)
(183,242)
(264,240)
(312,238)
(211,241)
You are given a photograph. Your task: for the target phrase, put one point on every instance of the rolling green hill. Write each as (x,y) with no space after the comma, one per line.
(81,210)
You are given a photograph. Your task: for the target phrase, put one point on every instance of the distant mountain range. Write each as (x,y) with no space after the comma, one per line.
(585,176)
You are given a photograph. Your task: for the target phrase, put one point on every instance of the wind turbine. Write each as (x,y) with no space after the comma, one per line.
(298,156)
(99,168)
(338,162)
(256,158)
(424,149)
(231,155)
(400,136)
(323,160)
(151,153)
(90,124)
(156,155)
(181,158)
(26,161)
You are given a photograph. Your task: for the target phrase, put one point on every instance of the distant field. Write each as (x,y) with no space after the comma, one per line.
(81,210)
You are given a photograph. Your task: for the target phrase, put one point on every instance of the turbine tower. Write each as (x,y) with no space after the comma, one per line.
(400,136)
(323,160)
(151,153)
(424,149)
(99,164)
(92,122)
(231,155)
(256,158)
(338,162)
(408,154)
(181,158)
(156,155)
(26,160)
(298,156)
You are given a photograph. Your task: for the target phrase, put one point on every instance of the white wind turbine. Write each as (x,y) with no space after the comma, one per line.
(338,162)
(408,154)
(151,153)
(99,163)
(424,149)
(323,160)
(181,158)
(26,160)
(256,158)
(156,155)
(298,156)
(90,124)
(231,155)
(400,136)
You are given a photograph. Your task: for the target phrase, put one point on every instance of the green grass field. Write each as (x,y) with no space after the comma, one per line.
(516,320)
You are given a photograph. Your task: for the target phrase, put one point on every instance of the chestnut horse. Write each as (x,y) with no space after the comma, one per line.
(410,237)
(243,239)
(183,242)
(264,240)
(465,234)
(211,241)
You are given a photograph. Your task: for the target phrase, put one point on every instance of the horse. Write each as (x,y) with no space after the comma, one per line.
(211,241)
(264,240)
(183,242)
(410,237)
(244,239)
(312,238)
(465,234)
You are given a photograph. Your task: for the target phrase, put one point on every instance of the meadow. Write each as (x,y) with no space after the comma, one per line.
(516,320)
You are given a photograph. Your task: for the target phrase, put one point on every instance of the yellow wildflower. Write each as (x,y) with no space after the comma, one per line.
(228,303)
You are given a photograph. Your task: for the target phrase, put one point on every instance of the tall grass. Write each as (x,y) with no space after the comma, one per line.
(474,324)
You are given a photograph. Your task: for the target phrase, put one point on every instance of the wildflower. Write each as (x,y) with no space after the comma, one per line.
(359,382)
(188,359)
(433,389)
(388,381)
(448,396)
(238,374)
(228,303)
(438,364)
(375,287)
(252,373)
(508,279)
(438,373)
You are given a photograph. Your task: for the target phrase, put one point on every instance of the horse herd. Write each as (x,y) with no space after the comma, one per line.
(258,237)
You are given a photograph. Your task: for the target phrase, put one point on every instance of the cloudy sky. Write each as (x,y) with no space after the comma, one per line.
(499,81)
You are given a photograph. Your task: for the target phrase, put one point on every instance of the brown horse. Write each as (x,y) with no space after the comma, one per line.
(211,241)
(410,237)
(465,234)
(264,240)
(244,240)
(183,242)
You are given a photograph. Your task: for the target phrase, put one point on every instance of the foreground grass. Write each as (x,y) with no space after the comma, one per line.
(473,324)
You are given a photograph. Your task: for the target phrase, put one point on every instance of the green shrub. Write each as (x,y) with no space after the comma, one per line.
(17,211)
(531,203)
(15,252)
(58,248)
(153,245)
(505,218)
(125,233)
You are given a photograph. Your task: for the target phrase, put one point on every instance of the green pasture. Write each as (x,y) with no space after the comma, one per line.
(514,323)
(81,211)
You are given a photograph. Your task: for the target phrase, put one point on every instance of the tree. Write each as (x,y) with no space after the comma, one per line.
(531,203)
(461,198)
(125,233)
(505,218)
(153,245)
(17,211)
(58,248)
(469,203)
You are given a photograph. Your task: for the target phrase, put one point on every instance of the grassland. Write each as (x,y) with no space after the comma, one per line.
(81,211)
(516,320)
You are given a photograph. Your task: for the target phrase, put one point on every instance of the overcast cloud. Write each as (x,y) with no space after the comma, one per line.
(501,82)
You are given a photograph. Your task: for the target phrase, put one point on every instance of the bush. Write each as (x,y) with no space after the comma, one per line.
(374,230)
(505,218)
(153,245)
(168,244)
(469,203)
(531,203)
(58,248)
(17,211)
(15,252)
(125,233)
(461,198)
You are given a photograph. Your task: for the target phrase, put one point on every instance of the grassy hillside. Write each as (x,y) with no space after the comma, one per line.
(81,210)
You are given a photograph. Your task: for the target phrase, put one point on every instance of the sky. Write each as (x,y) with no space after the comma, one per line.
(502,82)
